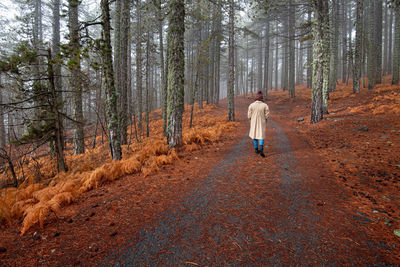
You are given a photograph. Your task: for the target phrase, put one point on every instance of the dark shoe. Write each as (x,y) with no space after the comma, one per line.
(257,151)
(261,152)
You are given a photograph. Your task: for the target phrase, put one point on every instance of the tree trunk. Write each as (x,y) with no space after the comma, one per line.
(56,47)
(285,57)
(247,65)
(396,54)
(117,49)
(358,48)
(266,59)
(385,44)
(111,94)
(371,47)
(334,45)
(176,72)
(231,61)
(2,124)
(147,82)
(55,112)
(124,77)
(276,62)
(292,62)
(74,65)
(378,41)
(344,44)
(309,58)
(326,58)
(218,53)
(390,41)
(320,11)
(259,65)
(163,86)
(139,90)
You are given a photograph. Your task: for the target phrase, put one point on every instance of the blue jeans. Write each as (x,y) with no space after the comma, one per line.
(258,142)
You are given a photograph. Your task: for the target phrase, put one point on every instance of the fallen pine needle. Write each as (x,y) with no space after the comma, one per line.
(349,239)
(190,262)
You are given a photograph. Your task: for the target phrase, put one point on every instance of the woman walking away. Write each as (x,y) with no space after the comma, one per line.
(258,114)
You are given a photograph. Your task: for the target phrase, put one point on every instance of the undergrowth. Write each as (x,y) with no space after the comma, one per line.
(33,202)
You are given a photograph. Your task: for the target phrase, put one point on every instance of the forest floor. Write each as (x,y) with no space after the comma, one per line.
(324,194)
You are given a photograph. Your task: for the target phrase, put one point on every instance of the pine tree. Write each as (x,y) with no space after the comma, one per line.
(291,65)
(396,50)
(74,65)
(176,72)
(319,58)
(111,93)
(231,61)
(358,48)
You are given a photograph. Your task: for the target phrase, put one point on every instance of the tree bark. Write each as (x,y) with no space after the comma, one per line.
(218,52)
(259,65)
(276,62)
(3,141)
(231,61)
(385,44)
(163,85)
(309,58)
(139,89)
(111,93)
(74,65)
(378,41)
(147,82)
(125,66)
(334,45)
(292,62)
(55,112)
(266,58)
(176,72)
(371,48)
(358,48)
(326,57)
(396,52)
(319,58)
(344,43)
(390,41)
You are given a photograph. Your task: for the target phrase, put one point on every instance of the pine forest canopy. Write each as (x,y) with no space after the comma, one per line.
(71,70)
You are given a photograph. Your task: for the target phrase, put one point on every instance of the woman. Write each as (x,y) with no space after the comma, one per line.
(258,114)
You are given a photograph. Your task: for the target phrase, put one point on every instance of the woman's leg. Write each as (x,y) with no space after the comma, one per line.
(261,147)
(255,142)
(261,142)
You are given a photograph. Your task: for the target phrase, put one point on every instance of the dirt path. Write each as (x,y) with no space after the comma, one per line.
(279,210)
(222,205)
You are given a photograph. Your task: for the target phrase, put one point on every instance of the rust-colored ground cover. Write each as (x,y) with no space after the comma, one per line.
(324,193)
(360,143)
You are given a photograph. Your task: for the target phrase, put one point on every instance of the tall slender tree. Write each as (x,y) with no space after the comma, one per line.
(358,48)
(390,41)
(378,41)
(2,124)
(176,72)
(139,79)
(231,60)
(319,58)
(125,66)
(309,56)
(111,93)
(372,56)
(267,70)
(291,32)
(396,50)
(75,81)
(334,22)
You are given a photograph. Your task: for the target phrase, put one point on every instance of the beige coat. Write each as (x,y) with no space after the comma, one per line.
(258,114)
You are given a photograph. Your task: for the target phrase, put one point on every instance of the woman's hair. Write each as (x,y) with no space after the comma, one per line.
(259,96)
